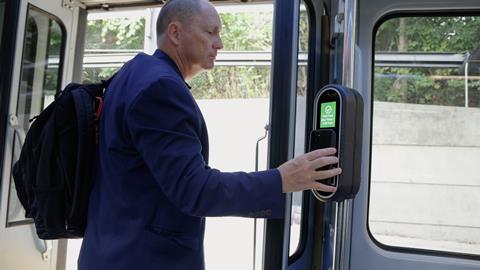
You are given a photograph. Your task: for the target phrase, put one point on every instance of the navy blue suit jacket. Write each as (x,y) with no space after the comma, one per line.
(153,185)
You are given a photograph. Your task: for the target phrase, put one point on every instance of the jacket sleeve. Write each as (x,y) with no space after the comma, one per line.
(164,125)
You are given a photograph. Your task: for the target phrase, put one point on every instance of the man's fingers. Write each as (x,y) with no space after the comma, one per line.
(319,175)
(323,187)
(324,161)
(301,173)
(320,153)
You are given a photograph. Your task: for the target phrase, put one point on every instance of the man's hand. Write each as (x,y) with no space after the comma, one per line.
(300,173)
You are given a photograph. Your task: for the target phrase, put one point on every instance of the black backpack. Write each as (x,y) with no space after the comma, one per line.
(56,169)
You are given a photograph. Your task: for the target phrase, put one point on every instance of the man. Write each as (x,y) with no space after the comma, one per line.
(153,186)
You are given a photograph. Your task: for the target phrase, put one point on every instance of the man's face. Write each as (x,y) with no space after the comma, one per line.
(202,39)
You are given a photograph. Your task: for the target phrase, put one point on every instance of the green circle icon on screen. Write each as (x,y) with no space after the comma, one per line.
(328,109)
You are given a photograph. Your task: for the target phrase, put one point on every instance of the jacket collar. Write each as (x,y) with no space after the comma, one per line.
(161,55)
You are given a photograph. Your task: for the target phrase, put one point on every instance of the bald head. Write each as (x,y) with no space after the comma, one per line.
(188,31)
(178,10)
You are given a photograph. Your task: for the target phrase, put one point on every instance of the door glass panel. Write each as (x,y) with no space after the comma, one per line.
(425,146)
(233,97)
(40,80)
(300,116)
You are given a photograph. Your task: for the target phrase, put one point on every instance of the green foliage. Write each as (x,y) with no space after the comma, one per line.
(113,34)
(241,32)
(118,33)
(93,75)
(436,86)
(430,34)
(253,32)
(302,71)
(51,84)
(55,39)
(232,82)
(304,27)
(247,31)
(420,86)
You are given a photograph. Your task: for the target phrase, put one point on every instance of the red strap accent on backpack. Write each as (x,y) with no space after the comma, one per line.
(97,118)
(99,109)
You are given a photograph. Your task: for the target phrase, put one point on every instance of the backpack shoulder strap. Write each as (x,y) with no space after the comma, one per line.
(107,82)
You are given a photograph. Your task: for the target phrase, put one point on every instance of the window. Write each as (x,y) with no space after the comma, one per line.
(111,39)
(300,119)
(425,146)
(40,79)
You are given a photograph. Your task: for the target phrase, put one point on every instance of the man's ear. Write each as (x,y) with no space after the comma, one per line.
(174,30)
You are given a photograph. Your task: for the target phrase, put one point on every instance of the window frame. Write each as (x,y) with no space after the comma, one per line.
(60,23)
(378,23)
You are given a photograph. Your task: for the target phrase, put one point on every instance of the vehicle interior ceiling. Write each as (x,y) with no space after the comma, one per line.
(110,4)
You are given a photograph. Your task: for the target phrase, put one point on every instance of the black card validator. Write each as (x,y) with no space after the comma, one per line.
(324,138)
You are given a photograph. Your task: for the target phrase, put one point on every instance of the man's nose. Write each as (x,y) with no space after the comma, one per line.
(218,44)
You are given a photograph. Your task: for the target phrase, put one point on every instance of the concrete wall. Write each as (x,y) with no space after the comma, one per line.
(425,182)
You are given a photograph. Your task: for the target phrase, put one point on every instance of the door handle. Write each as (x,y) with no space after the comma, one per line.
(19,131)
(258,142)
(255,220)
(47,248)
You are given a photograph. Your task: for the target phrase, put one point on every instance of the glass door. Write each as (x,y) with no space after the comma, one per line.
(300,68)
(417,73)
(36,71)
(416,66)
